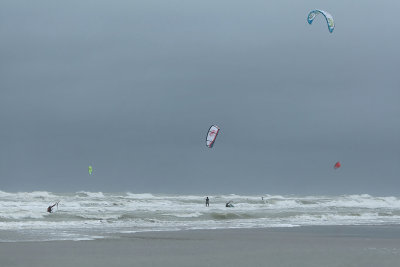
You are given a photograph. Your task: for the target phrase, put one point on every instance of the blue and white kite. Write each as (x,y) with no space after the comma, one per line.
(328,17)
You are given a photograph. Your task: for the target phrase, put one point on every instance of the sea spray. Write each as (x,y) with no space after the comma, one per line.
(88,215)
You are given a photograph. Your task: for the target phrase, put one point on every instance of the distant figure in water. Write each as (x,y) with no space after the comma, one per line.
(207,202)
(50,208)
(229,205)
(262,198)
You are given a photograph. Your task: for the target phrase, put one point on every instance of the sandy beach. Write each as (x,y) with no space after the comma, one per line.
(300,246)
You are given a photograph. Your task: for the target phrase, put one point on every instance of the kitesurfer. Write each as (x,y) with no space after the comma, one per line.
(207,202)
(50,208)
(229,204)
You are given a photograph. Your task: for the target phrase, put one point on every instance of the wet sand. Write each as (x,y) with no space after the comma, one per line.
(301,246)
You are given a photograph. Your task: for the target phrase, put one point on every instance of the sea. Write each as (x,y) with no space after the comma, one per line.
(95,215)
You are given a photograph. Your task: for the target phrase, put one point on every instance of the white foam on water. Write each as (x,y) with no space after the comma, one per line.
(90,194)
(92,214)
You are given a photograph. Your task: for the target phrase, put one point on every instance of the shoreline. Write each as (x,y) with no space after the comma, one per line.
(296,228)
(306,246)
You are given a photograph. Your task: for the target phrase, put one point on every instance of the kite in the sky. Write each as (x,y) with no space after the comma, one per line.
(90,170)
(212,135)
(328,17)
(337,165)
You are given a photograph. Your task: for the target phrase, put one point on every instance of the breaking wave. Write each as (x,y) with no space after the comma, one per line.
(95,214)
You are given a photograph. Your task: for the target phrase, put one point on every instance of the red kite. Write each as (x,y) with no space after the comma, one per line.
(337,165)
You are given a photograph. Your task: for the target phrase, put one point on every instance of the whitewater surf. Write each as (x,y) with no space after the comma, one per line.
(90,215)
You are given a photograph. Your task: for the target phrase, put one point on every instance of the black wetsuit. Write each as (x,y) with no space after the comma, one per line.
(50,208)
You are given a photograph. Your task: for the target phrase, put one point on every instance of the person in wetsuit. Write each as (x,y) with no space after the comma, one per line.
(50,208)
(229,205)
(207,202)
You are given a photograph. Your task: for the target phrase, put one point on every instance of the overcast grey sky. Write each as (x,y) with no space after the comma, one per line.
(131,87)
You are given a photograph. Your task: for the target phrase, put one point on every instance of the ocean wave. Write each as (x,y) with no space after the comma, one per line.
(5,194)
(81,212)
(27,195)
(21,216)
(140,196)
(229,215)
(90,194)
(185,215)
